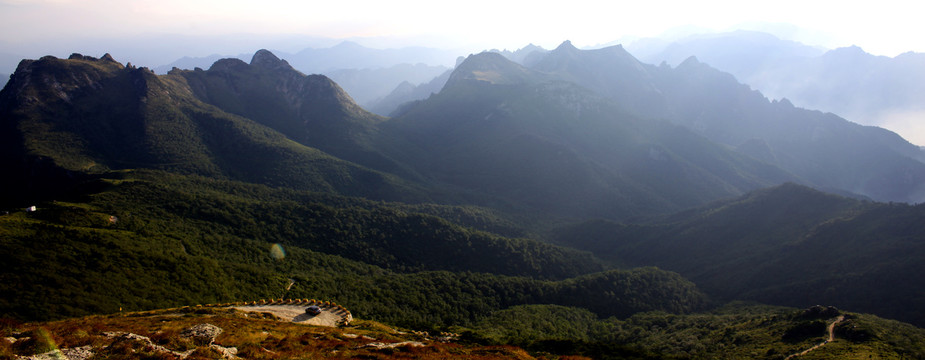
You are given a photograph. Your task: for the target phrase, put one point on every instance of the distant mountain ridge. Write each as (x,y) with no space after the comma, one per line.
(366,86)
(822,149)
(367,74)
(611,72)
(525,135)
(345,55)
(190,63)
(350,55)
(738,52)
(525,56)
(863,88)
(407,92)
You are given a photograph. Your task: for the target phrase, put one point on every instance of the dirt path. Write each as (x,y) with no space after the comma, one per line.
(830,330)
(839,319)
(329,316)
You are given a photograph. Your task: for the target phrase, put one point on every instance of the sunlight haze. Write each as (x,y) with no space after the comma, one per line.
(889,29)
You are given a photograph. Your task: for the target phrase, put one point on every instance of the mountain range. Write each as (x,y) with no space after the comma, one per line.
(369,85)
(821,149)
(367,74)
(827,152)
(563,180)
(344,55)
(407,92)
(528,138)
(861,87)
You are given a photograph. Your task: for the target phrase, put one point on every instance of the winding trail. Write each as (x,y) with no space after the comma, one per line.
(831,331)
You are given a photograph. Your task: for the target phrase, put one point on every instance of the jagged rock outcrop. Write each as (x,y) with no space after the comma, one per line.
(202,335)
(131,340)
(265,59)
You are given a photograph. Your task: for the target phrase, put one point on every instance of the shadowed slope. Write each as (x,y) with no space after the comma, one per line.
(94,115)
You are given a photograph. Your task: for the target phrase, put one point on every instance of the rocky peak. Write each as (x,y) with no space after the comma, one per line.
(566,58)
(489,67)
(852,50)
(106,58)
(566,46)
(76,56)
(719,79)
(691,61)
(51,77)
(321,89)
(263,58)
(783,102)
(229,64)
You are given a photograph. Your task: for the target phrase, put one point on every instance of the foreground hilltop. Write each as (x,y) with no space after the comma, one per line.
(191,333)
(736,331)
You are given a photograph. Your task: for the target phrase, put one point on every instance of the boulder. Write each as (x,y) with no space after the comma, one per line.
(202,334)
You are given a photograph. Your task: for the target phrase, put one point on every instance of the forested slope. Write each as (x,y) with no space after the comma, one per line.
(176,241)
(787,245)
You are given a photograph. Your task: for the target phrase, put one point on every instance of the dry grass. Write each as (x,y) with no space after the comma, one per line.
(256,336)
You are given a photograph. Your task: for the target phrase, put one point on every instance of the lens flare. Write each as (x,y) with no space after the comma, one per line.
(45,342)
(277,252)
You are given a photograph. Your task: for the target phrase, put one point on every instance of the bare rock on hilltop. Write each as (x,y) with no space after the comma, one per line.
(202,334)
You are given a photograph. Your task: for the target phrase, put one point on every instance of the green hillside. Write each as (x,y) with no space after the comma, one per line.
(787,245)
(177,241)
(734,331)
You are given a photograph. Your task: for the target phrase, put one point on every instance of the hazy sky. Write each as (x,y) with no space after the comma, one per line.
(885,27)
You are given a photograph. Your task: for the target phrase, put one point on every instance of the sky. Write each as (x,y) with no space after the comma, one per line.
(889,28)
